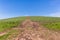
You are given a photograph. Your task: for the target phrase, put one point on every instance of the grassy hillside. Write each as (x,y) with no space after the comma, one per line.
(52,23)
(10,23)
(49,22)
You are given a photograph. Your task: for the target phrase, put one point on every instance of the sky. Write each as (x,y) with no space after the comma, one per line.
(15,8)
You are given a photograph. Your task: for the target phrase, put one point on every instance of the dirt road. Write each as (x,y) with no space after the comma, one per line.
(39,33)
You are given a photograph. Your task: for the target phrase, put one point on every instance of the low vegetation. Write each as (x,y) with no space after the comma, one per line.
(52,23)
(49,22)
(10,35)
(10,23)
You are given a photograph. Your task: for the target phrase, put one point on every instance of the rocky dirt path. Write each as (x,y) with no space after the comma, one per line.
(38,35)
(37,32)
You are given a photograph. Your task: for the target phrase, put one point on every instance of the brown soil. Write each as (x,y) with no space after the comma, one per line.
(3,33)
(37,32)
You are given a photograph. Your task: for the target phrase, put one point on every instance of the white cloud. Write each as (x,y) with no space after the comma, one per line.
(57,14)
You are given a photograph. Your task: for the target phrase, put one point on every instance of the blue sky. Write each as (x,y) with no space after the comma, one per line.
(14,8)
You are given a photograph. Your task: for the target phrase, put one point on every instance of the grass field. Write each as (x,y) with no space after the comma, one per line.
(9,23)
(49,22)
(52,23)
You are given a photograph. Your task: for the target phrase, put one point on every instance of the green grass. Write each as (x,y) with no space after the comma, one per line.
(10,23)
(49,22)
(52,23)
(10,35)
